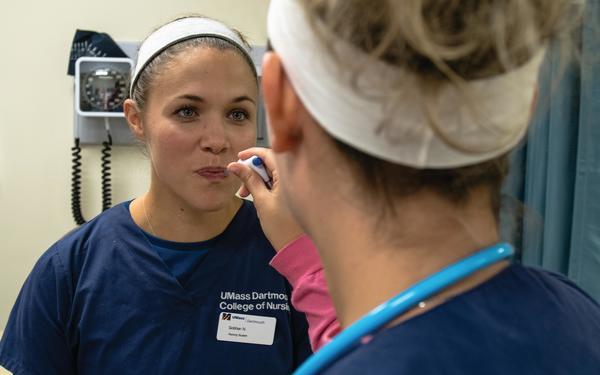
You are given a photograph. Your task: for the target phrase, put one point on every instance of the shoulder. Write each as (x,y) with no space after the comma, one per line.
(103,224)
(383,354)
(71,251)
(554,284)
(521,308)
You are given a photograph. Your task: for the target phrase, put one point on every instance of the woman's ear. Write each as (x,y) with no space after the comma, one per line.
(133,115)
(283,106)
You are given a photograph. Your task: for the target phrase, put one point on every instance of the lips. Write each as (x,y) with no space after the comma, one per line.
(213,173)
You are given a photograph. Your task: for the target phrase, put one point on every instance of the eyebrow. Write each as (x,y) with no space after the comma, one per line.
(194,98)
(199,99)
(243,98)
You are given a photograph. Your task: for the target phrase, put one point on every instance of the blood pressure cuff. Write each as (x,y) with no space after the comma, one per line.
(92,43)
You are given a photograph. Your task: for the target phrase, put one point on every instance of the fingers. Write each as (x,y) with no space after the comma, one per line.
(243,192)
(253,184)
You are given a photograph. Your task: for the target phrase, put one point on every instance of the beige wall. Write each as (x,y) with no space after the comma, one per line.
(36,119)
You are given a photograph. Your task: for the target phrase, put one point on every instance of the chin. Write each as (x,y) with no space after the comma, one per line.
(213,201)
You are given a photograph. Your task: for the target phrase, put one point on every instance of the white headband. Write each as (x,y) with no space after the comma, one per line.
(406,138)
(179,31)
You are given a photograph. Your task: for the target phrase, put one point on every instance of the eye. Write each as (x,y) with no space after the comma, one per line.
(186,112)
(238,115)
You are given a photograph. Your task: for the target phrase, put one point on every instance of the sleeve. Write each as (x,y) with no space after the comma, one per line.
(300,264)
(34,341)
(302,348)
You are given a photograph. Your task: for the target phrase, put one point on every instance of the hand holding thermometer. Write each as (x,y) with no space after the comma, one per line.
(257,164)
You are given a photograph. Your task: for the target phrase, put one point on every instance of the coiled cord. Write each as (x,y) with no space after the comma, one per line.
(76,183)
(76,179)
(106,187)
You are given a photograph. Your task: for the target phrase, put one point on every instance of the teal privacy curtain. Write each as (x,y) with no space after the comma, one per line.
(556,172)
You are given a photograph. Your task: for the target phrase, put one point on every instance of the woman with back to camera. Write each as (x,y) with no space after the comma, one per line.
(390,122)
(178,280)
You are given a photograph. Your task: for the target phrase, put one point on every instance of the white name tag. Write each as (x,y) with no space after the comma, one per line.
(248,329)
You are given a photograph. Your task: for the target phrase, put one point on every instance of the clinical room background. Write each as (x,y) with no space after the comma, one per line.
(556,173)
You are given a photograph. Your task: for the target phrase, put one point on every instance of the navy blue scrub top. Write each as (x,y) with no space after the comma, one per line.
(523,321)
(102,301)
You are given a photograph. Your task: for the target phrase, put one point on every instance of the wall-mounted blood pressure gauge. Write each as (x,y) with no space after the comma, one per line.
(101,86)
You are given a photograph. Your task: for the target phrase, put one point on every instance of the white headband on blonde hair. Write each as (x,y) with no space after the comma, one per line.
(399,129)
(179,31)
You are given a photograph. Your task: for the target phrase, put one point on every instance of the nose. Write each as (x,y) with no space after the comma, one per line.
(214,138)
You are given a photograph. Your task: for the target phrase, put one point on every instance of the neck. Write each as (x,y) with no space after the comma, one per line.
(367,264)
(173,219)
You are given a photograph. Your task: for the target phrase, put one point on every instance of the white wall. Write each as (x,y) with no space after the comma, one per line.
(36,119)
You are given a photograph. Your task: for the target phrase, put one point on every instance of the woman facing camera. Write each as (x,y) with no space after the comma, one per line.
(178,280)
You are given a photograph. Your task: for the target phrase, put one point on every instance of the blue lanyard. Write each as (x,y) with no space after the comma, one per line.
(349,338)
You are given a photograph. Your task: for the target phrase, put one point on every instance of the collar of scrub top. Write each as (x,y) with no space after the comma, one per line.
(351,337)
(179,31)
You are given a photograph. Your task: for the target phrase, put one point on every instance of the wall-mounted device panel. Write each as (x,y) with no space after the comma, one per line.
(101,85)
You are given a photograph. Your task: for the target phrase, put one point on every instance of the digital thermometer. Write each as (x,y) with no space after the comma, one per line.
(258,166)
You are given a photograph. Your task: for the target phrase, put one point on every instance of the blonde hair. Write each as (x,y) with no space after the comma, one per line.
(443,41)
(447,40)
(440,42)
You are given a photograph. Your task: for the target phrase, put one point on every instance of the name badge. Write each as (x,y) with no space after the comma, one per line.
(248,329)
